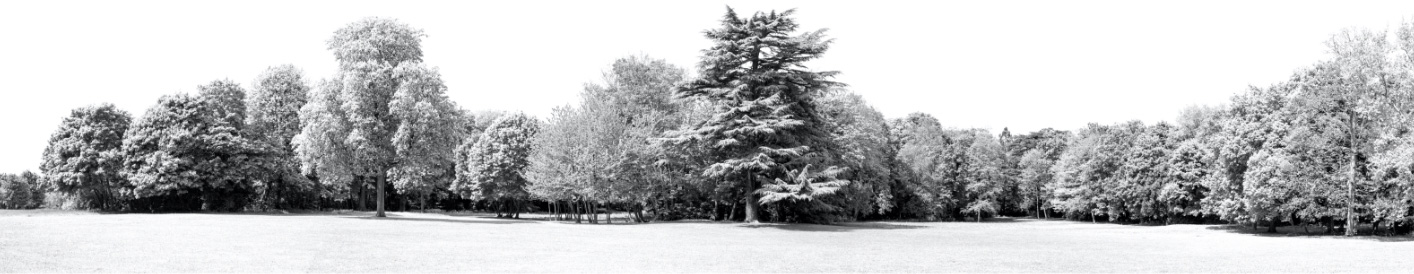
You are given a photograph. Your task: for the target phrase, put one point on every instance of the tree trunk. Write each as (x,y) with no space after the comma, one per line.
(753,205)
(1350,221)
(358,186)
(731,216)
(716,210)
(382,180)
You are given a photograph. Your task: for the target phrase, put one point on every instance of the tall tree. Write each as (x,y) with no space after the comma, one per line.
(766,125)
(1369,86)
(369,52)
(320,145)
(922,156)
(273,117)
(84,156)
(863,136)
(429,125)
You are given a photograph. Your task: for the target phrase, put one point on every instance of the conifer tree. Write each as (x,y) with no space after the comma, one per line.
(765,126)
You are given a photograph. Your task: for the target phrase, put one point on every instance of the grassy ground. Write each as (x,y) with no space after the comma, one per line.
(48,241)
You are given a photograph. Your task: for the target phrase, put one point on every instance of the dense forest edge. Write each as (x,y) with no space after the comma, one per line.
(754,136)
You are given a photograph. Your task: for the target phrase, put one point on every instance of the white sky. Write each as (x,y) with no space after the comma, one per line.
(992,64)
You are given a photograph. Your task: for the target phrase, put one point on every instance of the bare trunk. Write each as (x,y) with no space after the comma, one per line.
(731,216)
(1350,221)
(382,180)
(753,205)
(362,203)
(716,210)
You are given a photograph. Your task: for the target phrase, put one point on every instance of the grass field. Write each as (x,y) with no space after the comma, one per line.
(48,241)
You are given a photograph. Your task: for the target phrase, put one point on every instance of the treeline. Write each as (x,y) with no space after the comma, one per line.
(755,136)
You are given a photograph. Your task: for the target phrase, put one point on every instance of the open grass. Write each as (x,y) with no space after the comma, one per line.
(48,241)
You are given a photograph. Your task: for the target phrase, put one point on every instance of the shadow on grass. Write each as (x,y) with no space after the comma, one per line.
(844,227)
(459,220)
(1297,232)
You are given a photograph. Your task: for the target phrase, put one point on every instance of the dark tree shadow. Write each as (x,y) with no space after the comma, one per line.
(1297,232)
(842,227)
(459,220)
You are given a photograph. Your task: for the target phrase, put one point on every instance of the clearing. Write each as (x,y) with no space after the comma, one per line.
(50,241)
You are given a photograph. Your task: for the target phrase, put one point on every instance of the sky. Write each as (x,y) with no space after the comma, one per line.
(1021,65)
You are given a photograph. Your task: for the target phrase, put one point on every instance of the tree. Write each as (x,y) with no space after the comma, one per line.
(14,192)
(84,158)
(863,136)
(986,182)
(601,149)
(1035,176)
(1038,152)
(36,188)
(766,125)
(923,153)
(1082,172)
(1145,172)
(427,133)
(1369,87)
(273,118)
(1244,128)
(188,152)
(320,145)
(561,160)
(369,52)
(495,164)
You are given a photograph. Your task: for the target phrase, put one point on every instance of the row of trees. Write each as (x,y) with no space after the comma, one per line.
(755,136)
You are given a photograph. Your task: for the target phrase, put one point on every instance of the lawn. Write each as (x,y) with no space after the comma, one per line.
(48,241)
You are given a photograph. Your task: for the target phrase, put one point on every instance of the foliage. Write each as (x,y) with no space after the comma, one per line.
(495,163)
(20,191)
(188,153)
(863,136)
(428,131)
(273,118)
(84,158)
(766,123)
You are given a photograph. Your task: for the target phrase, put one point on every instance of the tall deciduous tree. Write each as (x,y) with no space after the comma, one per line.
(766,125)
(863,136)
(922,155)
(369,52)
(272,109)
(320,145)
(429,127)
(1369,87)
(84,156)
